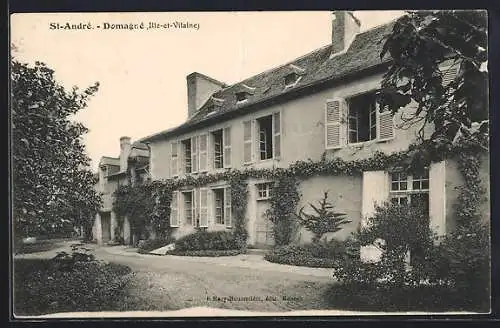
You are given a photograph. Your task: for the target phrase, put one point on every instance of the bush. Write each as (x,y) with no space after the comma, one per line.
(69,282)
(207,253)
(149,245)
(207,240)
(316,255)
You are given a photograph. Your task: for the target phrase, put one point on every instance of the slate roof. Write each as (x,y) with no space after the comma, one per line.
(139,145)
(363,54)
(106,160)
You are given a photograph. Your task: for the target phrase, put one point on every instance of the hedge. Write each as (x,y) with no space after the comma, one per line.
(207,253)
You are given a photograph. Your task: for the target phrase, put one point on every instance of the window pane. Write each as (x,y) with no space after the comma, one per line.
(425,184)
(416,185)
(403,201)
(353,136)
(394,186)
(403,186)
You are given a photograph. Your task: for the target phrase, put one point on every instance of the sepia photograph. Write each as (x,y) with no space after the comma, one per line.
(249,163)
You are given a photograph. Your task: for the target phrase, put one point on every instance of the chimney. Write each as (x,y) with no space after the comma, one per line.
(125,148)
(344,28)
(199,89)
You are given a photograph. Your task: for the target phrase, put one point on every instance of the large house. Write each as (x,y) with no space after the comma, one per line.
(129,168)
(319,105)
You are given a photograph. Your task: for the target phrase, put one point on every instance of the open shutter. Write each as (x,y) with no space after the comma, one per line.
(204,207)
(385,124)
(194,154)
(277,135)
(196,206)
(247,142)
(375,191)
(174,163)
(181,167)
(334,131)
(227,207)
(210,152)
(449,69)
(210,207)
(174,209)
(227,147)
(437,197)
(203,147)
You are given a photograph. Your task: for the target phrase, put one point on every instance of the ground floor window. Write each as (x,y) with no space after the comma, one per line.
(188,207)
(264,190)
(219,205)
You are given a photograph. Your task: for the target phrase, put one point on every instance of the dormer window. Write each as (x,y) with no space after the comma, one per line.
(291,79)
(241,96)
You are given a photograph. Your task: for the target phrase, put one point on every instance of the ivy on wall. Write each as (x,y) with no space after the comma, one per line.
(149,203)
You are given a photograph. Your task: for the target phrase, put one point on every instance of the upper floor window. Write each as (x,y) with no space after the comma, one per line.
(357,119)
(221,148)
(218,151)
(186,148)
(266,131)
(265,128)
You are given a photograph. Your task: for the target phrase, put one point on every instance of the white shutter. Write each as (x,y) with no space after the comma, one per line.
(181,167)
(210,152)
(437,197)
(375,191)
(195,206)
(385,126)
(174,210)
(203,207)
(181,210)
(227,207)
(277,135)
(210,207)
(202,147)
(449,69)
(226,139)
(247,142)
(174,163)
(194,154)
(334,129)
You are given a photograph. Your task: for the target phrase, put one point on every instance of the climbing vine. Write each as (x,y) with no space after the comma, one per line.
(149,203)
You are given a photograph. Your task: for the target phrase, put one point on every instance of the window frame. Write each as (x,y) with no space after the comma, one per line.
(409,180)
(375,108)
(185,210)
(268,190)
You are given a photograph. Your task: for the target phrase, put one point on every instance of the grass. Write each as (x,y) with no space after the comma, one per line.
(50,286)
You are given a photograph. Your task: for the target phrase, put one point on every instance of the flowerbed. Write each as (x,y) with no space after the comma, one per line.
(147,246)
(314,256)
(207,240)
(207,253)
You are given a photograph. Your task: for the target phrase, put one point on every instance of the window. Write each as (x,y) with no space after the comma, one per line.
(362,118)
(186,145)
(410,189)
(265,128)
(291,79)
(264,190)
(241,96)
(218,150)
(219,206)
(188,207)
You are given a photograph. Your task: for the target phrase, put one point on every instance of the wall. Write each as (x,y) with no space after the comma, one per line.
(454,180)
(344,192)
(303,136)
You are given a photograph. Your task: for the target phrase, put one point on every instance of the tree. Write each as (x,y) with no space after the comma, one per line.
(420,42)
(53,185)
(325,219)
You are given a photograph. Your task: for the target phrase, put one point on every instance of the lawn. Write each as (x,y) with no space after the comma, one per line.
(44,286)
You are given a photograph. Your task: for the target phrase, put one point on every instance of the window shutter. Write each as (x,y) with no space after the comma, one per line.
(227,146)
(277,135)
(195,206)
(227,207)
(437,197)
(334,113)
(203,207)
(385,125)
(181,162)
(174,163)
(375,191)
(194,154)
(210,207)
(202,148)
(247,142)
(449,69)
(210,152)
(174,210)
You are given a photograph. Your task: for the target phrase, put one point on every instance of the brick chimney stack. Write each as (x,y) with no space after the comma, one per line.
(344,28)
(199,89)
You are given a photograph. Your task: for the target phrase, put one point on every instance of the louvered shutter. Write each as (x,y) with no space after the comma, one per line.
(194,154)
(449,73)
(247,142)
(174,163)
(276,135)
(196,207)
(174,209)
(227,146)
(375,191)
(385,124)
(203,207)
(202,148)
(210,207)
(227,207)
(334,112)
(210,152)
(437,197)
(181,167)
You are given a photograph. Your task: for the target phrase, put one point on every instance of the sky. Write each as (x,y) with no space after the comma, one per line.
(142,73)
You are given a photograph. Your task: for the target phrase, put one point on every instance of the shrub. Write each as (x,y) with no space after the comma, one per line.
(207,240)
(207,253)
(324,220)
(69,282)
(316,255)
(149,245)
